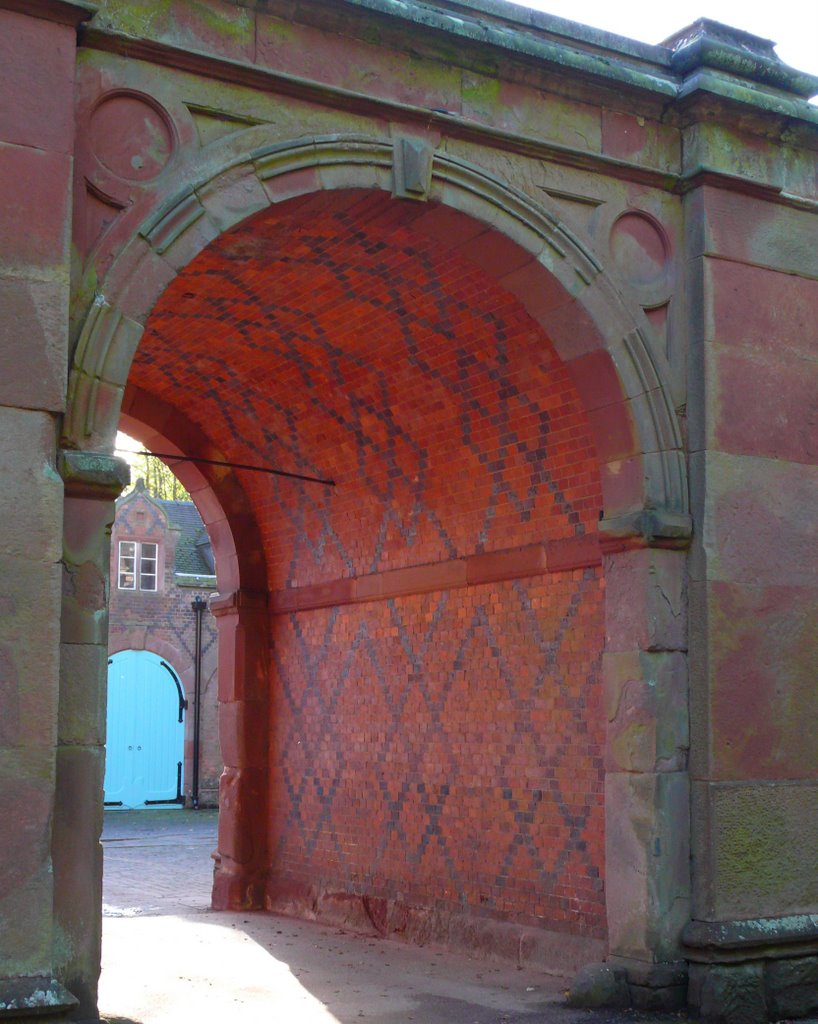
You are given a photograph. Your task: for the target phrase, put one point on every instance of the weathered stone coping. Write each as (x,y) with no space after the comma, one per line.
(709,44)
(729,941)
(553,25)
(561,52)
(704,57)
(705,43)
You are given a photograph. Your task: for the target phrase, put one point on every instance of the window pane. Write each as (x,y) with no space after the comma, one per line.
(147,567)
(127,565)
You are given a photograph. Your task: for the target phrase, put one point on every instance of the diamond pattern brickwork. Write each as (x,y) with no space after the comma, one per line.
(446,747)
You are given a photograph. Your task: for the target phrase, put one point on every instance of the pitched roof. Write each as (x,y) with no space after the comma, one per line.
(194,555)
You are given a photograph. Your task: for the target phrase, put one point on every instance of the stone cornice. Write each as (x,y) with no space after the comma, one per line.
(706,57)
(674,70)
(565,51)
(523,18)
(741,55)
(745,59)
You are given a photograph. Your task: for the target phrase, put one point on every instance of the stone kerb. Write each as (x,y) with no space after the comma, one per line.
(604,340)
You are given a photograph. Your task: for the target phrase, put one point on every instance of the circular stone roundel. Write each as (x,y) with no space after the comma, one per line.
(131,136)
(639,248)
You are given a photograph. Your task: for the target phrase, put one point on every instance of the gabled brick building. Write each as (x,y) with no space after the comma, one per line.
(161,561)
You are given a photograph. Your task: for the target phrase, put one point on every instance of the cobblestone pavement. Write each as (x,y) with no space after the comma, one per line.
(167,959)
(157,861)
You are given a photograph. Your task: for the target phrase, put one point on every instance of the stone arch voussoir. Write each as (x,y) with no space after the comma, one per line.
(180,662)
(604,339)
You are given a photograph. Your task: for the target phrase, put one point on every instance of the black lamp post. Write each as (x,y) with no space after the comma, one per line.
(198,604)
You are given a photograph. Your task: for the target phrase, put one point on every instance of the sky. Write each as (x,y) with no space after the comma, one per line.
(793,24)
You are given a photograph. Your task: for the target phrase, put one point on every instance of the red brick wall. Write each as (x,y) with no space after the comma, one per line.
(442,741)
(163,622)
(444,748)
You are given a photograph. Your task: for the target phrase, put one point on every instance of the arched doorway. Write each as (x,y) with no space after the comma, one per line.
(334,337)
(626,427)
(145,732)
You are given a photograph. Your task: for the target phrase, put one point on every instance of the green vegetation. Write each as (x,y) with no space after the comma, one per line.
(160,482)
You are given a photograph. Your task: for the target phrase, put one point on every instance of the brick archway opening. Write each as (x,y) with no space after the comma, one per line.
(164,620)
(431,693)
(242,635)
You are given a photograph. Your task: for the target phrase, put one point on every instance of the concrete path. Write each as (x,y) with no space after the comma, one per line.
(167,959)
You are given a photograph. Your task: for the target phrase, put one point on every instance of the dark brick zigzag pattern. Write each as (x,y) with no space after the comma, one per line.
(439,777)
(443,748)
(340,344)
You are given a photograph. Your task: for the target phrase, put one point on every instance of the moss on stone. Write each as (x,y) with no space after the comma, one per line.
(135,19)
(159,17)
(482,91)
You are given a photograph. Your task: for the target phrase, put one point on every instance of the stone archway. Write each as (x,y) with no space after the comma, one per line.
(604,340)
(606,347)
(243,643)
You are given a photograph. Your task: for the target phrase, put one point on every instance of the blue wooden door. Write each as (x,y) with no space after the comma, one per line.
(146,732)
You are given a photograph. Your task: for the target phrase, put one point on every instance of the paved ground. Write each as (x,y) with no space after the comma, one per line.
(167,958)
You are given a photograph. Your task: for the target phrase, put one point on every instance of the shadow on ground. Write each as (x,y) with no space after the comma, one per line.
(168,959)
(246,968)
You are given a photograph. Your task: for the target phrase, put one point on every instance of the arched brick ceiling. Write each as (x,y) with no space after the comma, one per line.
(330,336)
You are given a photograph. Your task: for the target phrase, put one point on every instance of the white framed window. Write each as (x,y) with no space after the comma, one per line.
(137,565)
(147,566)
